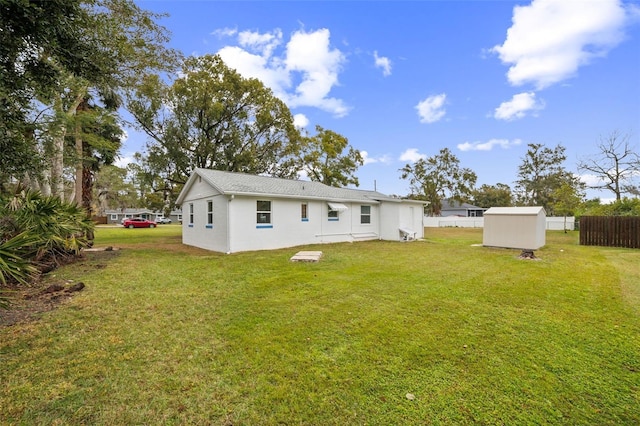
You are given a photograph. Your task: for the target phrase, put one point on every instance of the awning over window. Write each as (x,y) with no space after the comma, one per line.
(338,207)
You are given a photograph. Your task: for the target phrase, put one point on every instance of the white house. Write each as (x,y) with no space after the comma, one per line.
(232,212)
(515,227)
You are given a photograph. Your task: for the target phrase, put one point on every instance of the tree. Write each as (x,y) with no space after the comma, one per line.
(212,117)
(95,142)
(541,173)
(616,166)
(39,39)
(567,199)
(498,195)
(113,191)
(438,178)
(98,49)
(321,157)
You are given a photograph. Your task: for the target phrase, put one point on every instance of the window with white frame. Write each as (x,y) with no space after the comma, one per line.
(191,213)
(114,217)
(263,212)
(304,212)
(209,213)
(333,215)
(365,214)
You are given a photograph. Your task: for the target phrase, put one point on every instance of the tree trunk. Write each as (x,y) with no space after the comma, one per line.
(57,157)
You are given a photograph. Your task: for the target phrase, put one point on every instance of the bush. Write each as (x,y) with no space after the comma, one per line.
(624,207)
(36,230)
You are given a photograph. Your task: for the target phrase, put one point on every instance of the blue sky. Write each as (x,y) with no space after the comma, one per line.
(402,80)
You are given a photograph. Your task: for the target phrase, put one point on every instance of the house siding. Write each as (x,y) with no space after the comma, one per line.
(198,233)
(287,227)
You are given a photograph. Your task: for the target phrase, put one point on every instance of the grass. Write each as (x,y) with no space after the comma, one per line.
(167,334)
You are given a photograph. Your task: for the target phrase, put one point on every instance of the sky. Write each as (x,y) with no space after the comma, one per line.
(402,80)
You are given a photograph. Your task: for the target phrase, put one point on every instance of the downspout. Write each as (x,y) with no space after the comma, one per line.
(379,220)
(229,223)
(322,216)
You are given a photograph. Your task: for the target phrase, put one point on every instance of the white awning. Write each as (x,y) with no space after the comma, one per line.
(338,207)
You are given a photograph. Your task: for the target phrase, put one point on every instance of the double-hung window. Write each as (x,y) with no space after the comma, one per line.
(190,214)
(263,214)
(209,214)
(365,214)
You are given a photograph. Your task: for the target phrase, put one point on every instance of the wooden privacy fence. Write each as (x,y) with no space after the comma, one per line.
(611,231)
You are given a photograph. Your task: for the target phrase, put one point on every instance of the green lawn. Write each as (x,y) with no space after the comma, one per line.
(167,334)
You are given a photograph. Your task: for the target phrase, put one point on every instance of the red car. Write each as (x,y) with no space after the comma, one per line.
(138,222)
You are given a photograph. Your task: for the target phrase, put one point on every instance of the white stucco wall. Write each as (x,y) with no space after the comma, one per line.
(287,229)
(199,233)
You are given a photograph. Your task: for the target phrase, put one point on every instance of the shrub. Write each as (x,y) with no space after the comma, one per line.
(36,230)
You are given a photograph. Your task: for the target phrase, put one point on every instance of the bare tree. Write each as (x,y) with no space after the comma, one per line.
(617,165)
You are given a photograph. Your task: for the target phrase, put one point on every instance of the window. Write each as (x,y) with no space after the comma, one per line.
(114,217)
(191,214)
(365,214)
(333,215)
(263,210)
(304,212)
(209,213)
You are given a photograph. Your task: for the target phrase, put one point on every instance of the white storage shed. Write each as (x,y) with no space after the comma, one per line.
(514,227)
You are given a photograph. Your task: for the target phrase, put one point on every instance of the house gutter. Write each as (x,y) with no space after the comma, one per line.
(299,197)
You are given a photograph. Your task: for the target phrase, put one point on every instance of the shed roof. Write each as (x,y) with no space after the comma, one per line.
(231,183)
(515,211)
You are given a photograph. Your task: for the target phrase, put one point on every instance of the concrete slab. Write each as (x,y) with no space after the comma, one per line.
(307,256)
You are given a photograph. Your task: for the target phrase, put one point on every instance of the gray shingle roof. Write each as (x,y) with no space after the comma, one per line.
(231,183)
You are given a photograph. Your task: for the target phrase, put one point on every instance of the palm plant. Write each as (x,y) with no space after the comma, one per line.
(61,226)
(35,230)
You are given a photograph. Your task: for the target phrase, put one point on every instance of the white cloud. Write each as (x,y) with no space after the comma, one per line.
(263,43)
(518,106)
(432,109)
(488,146)
(311,55)
(550,39)
(225,32)
(308,59)
(124,160)
(385,159)
(300,121)
(591,180)
(382,62)
(256,66)
(412,155)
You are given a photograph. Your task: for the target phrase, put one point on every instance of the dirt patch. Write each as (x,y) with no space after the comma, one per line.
(47,293)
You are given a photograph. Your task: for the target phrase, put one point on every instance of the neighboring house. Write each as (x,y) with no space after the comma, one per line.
(454,208)
(116,216)
(232,212)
